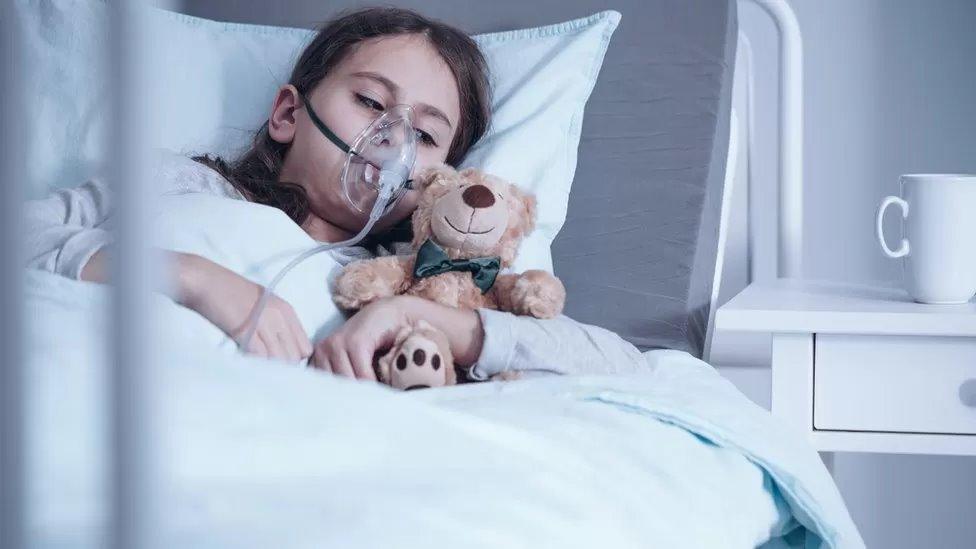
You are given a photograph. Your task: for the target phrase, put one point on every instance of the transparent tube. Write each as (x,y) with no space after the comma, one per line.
(390,180)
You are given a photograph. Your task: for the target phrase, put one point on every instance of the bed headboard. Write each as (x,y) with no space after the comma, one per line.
(638,250)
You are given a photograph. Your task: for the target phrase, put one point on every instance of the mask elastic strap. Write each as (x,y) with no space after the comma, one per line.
(335,139)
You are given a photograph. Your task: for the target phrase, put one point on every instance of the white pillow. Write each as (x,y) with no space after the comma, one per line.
(214,82)
(541,79)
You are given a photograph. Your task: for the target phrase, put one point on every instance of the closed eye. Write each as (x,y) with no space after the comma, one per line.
(369,102)
(426,139)
(372,104)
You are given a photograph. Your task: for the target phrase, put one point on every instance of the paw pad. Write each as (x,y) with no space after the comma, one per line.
(418,363)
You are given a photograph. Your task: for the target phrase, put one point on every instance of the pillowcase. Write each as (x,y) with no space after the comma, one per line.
(213,84)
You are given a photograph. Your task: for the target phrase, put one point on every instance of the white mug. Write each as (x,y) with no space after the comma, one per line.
(939,236)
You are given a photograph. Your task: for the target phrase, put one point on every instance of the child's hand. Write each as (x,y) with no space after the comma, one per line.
(349,350)
(227,299)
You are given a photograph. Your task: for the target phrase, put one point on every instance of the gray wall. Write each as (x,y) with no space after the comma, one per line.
(890,88)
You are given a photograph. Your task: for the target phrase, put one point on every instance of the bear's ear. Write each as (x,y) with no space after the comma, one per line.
(441,173)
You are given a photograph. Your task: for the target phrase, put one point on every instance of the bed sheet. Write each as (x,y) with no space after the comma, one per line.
(253,453)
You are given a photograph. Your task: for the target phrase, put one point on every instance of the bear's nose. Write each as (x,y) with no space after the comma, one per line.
(478,196)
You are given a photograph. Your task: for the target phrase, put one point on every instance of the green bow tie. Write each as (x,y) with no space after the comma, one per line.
(433,260)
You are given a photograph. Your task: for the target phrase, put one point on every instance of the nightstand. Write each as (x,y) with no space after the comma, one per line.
(863,369)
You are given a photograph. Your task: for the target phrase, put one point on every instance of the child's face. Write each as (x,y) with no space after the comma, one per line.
(379,73)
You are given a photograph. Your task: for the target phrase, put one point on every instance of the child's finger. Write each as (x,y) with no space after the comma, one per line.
(362,362)
(340,364)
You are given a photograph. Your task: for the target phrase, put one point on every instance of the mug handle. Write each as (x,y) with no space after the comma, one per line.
(904,249)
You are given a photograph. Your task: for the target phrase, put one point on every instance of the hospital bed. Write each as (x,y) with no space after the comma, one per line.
(212,450)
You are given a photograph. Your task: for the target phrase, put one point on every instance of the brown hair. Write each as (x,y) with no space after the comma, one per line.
(255,173)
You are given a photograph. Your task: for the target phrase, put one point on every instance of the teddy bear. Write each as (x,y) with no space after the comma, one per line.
(467,227)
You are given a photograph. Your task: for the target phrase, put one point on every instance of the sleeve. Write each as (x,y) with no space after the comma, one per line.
(558,345)
(65,229)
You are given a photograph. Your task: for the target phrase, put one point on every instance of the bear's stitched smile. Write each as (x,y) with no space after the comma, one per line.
(467,232)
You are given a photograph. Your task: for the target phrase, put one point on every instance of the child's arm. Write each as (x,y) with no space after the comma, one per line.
(349,350)
(557,345)
(495,342)
(491,341)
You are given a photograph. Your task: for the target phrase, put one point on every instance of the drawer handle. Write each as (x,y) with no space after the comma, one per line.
(967,393)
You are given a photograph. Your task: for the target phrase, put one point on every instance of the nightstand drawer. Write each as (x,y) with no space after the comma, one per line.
(895,384)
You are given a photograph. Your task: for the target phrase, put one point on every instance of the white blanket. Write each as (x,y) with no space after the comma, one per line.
(259,454)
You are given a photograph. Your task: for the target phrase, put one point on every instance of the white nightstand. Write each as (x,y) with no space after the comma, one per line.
(862,369)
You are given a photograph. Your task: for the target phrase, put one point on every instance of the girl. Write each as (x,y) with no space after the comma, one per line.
(358,65)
